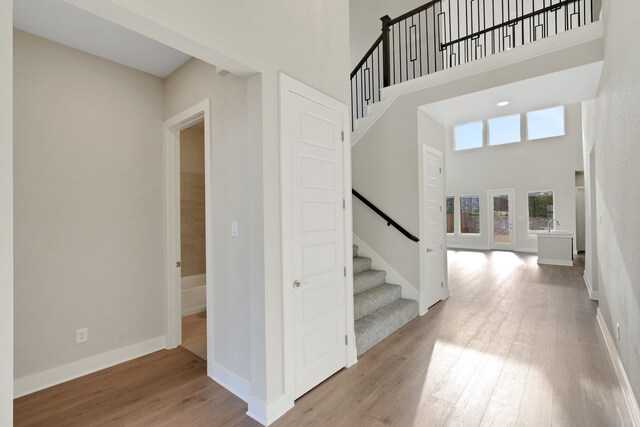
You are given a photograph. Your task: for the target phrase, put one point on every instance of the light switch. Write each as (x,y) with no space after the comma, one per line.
(234,228)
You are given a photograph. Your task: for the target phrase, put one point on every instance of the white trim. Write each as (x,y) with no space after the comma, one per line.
(171,131)
(592,294)
(553,194)
(561,262)
(194,281)
(265,413)
(512,213)
(526,250)
(469,247)
(231,381)
(60,374)
(627,391)
(378,263)
(287,85)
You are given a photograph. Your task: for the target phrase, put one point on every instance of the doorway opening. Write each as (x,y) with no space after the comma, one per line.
(580,213)
(188,225)
(193,266)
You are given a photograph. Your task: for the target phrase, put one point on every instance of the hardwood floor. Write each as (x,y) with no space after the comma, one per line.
(194,334)
(515,344)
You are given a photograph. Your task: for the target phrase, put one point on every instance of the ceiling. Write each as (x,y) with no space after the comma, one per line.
(61,22)
(560,88)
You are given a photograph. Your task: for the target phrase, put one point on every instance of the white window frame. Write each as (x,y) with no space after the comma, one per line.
(488,133)
(530,231)
(460,233)
(564,123)
(454,215)
(483,137)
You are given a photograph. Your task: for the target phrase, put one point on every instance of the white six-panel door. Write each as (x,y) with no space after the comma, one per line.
(433,185)
(317,231)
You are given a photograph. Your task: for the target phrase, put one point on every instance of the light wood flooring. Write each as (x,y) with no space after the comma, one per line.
(515,344)
(194,334)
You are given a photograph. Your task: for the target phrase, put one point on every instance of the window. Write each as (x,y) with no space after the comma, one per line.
(541,209)
(468,136)
(504,130)
(450,217)
(545,123)
(470,214)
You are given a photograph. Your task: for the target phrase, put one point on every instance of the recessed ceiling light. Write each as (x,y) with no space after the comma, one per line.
(502,103)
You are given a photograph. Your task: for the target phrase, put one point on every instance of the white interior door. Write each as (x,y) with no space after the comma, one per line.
(580,219)
(434,236)
(318,266)
(501,211)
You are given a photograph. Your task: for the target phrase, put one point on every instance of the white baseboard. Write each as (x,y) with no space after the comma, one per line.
(188,282)
(527,250)
(232,382)
(45,379)
(555,262)
(627,391)
(592,294)
(468,247)
(378,263)
(267,414)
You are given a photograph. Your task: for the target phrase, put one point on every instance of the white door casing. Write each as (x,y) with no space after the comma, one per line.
(172,128)
(510,243)
(316,234)
(433,286)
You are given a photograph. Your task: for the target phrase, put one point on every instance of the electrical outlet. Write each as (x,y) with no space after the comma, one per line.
(82,335)
(618,331)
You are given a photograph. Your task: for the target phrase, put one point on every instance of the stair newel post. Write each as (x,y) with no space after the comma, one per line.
(386,52)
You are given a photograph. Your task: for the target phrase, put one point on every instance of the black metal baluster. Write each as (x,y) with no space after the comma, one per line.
(420,41)
(435,42)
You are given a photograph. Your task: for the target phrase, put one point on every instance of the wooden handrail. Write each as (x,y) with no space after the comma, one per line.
(386,217)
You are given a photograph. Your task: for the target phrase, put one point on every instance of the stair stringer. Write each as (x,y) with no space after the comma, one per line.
(378,263)
(374,112)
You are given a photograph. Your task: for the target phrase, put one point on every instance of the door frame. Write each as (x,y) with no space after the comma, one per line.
(512,212)
(171,131)
(287,85)
(423,308)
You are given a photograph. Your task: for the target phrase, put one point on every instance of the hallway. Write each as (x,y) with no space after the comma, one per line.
(514,344)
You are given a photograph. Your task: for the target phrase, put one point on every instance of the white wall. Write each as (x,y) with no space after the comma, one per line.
(6,213)
(614,129)
(365,25)
(545,164)
(88,205)
(306,40)
(187,86)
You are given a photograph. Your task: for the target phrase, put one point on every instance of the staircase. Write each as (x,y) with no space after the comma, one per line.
(378,307)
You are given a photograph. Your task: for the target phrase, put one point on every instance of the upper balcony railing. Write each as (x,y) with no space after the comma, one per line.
(445,33)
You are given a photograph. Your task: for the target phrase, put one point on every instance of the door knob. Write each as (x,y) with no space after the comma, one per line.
(297,284)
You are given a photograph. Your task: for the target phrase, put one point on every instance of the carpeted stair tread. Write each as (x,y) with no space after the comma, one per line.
(369,301)
(368,279)
(361,264)
(375,327)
